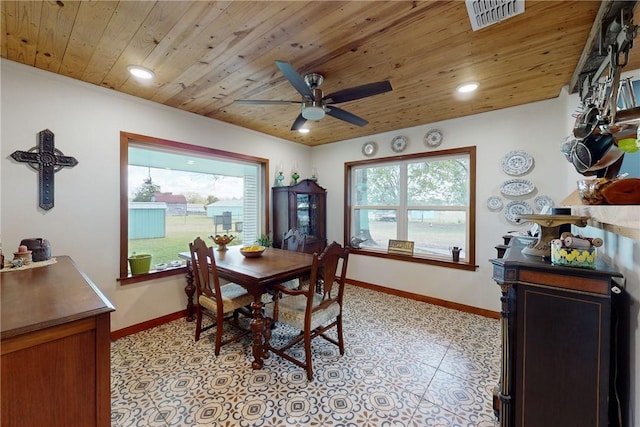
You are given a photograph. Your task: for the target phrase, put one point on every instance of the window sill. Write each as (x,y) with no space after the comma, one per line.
(152,275)
(462,265)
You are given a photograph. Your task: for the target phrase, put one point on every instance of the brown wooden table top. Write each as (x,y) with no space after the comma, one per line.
(41,297)
(274,266)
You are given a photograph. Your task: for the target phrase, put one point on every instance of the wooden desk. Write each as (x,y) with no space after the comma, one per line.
(256,275)
(55,348)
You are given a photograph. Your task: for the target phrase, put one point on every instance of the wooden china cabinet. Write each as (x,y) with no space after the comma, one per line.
(302,206)
(558,349)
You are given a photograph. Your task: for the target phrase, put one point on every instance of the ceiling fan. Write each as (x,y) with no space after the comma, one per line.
(314,104)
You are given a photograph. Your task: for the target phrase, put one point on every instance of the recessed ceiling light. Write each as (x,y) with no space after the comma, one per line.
(140,72)
(303,130)
(467,87)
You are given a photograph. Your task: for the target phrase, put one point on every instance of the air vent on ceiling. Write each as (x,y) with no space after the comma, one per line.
(483,13)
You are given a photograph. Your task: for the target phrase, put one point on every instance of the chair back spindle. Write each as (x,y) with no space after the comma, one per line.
(324,274)
(206,278)
(294,240)
(213,300)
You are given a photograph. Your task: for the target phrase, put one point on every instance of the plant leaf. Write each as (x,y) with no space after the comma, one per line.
(629,145)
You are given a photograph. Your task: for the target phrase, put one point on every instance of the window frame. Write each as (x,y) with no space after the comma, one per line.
(470,263)
(144,140)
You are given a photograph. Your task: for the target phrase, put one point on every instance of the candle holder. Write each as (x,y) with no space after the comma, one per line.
(279,180)
(294,173)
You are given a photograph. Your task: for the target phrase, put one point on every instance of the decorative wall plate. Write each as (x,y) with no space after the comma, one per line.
(494,203)
(369,148)
(541,201)
(516,208)
(399,143)
(433,138)
(516,163)
(517,187)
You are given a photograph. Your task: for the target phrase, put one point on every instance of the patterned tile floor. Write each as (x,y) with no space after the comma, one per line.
(406,363)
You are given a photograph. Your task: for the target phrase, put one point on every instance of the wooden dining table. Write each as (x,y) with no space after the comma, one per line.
(257,276)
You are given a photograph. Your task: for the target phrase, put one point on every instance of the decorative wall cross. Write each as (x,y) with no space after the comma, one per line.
(47,160)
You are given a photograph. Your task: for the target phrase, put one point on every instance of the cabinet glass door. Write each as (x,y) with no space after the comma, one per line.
(307,213)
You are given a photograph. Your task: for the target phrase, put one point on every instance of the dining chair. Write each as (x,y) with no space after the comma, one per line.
(315,313)
(294,240)
(217,302)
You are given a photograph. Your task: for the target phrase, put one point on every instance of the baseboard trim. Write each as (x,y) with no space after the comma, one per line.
(130,330)
(430,300)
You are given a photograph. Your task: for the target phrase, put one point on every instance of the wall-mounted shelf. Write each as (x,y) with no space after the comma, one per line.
(622,220)
(619,219)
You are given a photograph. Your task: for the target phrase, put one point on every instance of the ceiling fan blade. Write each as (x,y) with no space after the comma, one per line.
(358,92)
(299,122)
(295,79)
(264,102)
(341,114)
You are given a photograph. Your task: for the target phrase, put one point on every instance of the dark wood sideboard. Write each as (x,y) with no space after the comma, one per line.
(55,348)
(556,342)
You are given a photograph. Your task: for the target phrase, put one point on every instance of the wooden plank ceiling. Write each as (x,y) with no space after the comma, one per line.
(205,55)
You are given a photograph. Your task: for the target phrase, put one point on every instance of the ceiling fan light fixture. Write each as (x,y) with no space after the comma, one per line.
(140,72)
(467,87)
(312,112)
(314,105)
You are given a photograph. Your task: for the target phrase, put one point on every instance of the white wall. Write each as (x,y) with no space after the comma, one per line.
(87,121)
(535,128)
(85,221)
(624,254)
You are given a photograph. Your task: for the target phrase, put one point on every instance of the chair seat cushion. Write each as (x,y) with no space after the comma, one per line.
(233,296)
(291,311)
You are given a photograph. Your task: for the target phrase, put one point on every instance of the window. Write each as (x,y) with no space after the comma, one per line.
(427,198)
(172,192)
